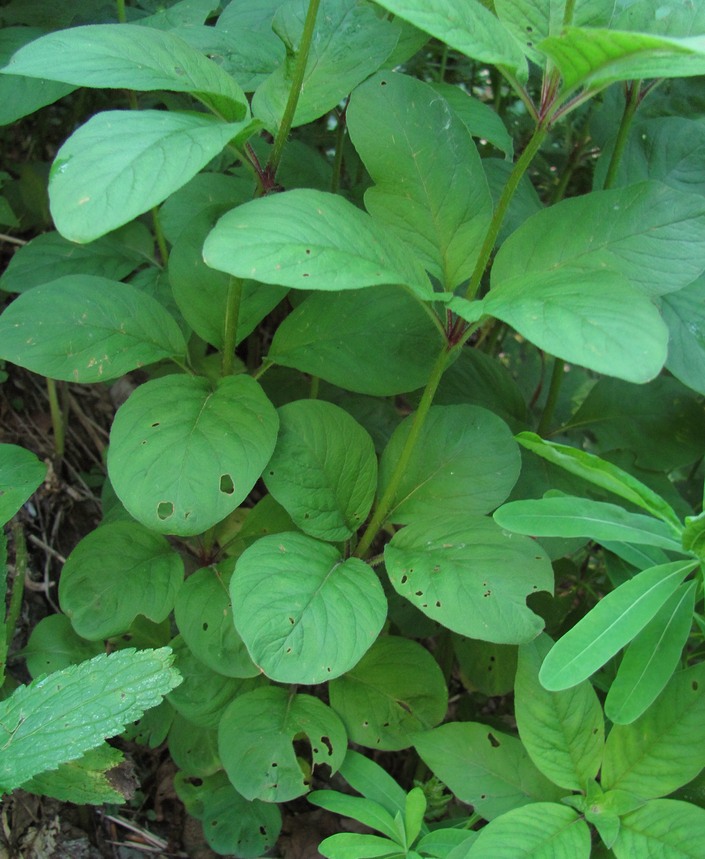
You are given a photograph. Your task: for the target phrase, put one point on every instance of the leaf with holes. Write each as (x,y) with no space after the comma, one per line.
(181,470)
(469,575)
(256,737)
(305,614)
(116,573)
(396,689)
(81,328)
(323,470)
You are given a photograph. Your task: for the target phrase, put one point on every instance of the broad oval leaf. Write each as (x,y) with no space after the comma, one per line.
(21,473)
(310,239)
(563,732)
(662,827)
(256,737)
(651,658)
(81,328)
(116,573)
(484,767)
(305,614)
(181,470)
(194,750)
(467,574)
(545,829)
(611,625)
(323,470)
(61,716)
(129,56)
(396,689)
(122,163)
(54,644)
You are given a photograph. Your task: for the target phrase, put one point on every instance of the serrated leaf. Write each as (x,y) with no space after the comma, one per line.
(468,575)
(21,473)
(651,658)
(323,470)
(310,239)
(116,573)
(121,164)
(662,827)
(81,328)
(484,767)
(305,614)
(60,717)
(563,732)
(128,56)
(256,738)
(396,689)
(611,625)
(430,191)
(92,779)
(179,471)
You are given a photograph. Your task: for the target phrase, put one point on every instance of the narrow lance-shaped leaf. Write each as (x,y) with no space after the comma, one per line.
(611,624)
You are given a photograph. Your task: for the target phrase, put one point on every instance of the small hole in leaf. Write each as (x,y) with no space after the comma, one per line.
(262,830)
(529,29)
(385,725)
(305,274)
(529,44)
(226,484)
(365,724)
(494,742)
(438,603)
(155,424)
(383,83)
(328,669)
(404,579)
(205,626)
(308,250)
(214,823)
(165,510)
(327,743)
(275,764)
(288,650)
(694,685)
(419,593)
(195,781)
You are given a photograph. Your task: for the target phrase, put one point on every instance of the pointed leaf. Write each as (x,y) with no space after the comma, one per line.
(663,827)
(81,328)
(90,780)
(365,810)
(179,471)
(368,778)
(256,737)
(121,164)
(348,845)
(611,625)
(309,239)
(20,474)
(305,614)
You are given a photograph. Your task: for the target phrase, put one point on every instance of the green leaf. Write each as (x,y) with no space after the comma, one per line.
(611,625)
(389,345)
(92,779)
(465,460)
(116,573)
(352,845)
(49,256)
(683,314)
(663,827)
(54,644)
(469,28)
(21,473)
(603,474)
(485,768)
(477,116)
(595,58)
(569,516)
(81,328)
(649,233)
(204,616)
(350,42)
(58,718)
(364,810)
(20,96)
(256,738)
(310,239)
(468,575)
(665,747)
(414,813)
(128,56)
(323,470)
(180,471)
(651,658)
(305,614)
(194,749)
(593,318)
(368,778)
(543,829)
(486,667)
(447,843)
(395,690)
(430,191)
(563,732)
(123,163)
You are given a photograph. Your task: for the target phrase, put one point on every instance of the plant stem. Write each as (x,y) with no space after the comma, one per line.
(527,156)
(552,398)
(57,420)
(568,13)
(385,503)
(232,314)
(159,236)
(121,12)
(630,107)
(295,91)
(313,390)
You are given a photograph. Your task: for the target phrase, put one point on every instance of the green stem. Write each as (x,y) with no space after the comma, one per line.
(568,13)
(382,509)
(232,314)
(500,211)
(623,133)
(444,64)
(121,12)
(295,91)
(159,236)
(57,419)
(262,369)
(552,398)
(313,390)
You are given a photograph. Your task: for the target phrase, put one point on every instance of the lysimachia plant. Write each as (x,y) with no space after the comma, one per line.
(343,242)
